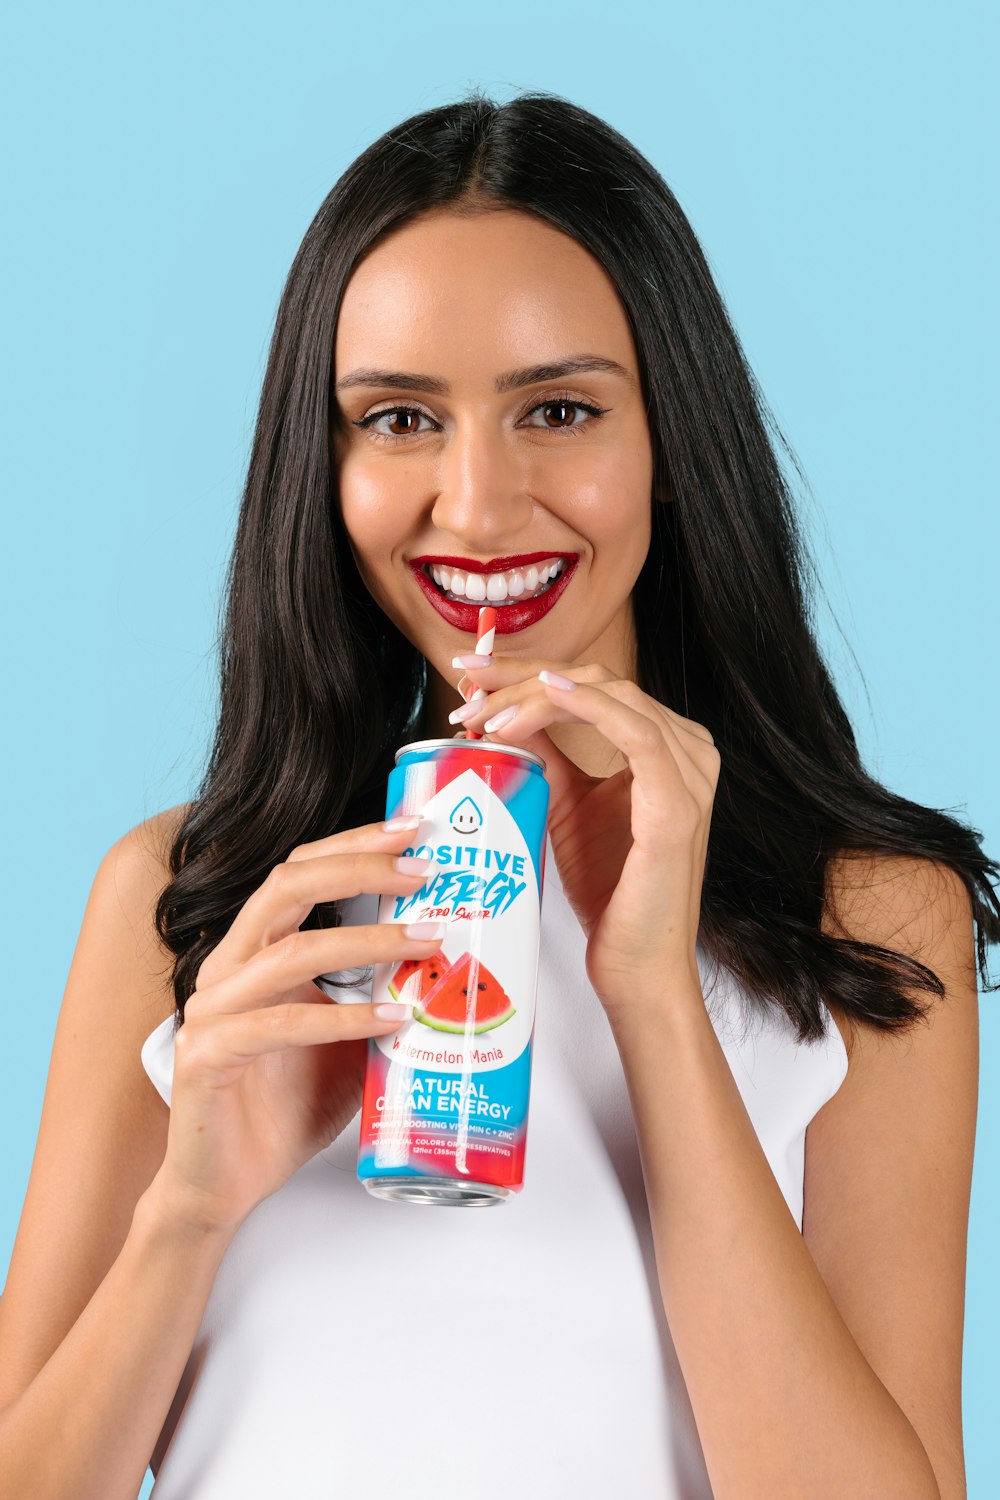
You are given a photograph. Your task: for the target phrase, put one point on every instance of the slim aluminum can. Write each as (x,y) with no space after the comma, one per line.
(445,1109)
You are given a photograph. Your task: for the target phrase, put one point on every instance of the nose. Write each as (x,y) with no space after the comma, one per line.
(484,492)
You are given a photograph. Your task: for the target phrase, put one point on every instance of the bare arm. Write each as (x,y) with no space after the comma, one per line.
(86,1425)
(130,1207)
(101,1140)
(825,1365)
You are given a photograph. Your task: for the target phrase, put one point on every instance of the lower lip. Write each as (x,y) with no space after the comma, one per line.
(510,617)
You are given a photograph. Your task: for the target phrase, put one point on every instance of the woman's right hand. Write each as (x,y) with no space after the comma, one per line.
(267,1070)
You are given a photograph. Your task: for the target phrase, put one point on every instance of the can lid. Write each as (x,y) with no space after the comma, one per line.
(481,745)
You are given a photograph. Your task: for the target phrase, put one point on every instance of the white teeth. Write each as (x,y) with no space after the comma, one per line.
(498,588)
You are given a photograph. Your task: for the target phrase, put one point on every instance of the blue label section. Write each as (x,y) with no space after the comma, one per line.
(529,807)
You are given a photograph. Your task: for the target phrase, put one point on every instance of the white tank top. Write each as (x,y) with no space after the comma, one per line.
(538,1357)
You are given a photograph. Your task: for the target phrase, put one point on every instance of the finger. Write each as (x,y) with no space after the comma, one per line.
(231,1041)
(623,712)
(506,671)
(297,959)
(649,743)
(281,904)
(682,725)
(495,698)
(695,754)
(684,734)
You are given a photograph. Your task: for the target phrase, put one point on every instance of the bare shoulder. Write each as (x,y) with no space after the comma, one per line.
(889,1157)
(126,888)
(144,851)
(103,1127)
(911,905)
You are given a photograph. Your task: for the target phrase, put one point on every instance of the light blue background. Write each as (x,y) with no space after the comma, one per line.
(162,167)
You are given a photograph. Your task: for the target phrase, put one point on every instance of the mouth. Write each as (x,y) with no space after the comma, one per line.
(521,590)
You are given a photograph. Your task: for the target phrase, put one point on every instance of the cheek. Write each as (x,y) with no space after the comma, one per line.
(611,501)
(371,511)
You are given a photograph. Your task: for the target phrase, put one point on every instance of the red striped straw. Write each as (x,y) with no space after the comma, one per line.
(486,629)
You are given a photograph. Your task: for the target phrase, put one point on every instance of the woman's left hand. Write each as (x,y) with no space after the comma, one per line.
(630,847)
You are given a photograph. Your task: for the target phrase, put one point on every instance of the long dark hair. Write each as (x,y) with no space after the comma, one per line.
(318,687)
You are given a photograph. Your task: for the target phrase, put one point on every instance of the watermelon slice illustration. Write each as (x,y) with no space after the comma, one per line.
(446,1005)
(415,976)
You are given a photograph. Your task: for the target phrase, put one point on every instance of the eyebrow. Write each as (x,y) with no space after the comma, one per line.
(574,364)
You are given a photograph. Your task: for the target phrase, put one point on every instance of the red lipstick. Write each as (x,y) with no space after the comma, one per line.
(510,617)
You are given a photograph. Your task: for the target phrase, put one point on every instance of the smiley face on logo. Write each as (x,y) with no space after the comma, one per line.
(465,817)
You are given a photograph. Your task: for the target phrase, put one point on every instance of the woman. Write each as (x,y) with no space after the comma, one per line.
(500,342)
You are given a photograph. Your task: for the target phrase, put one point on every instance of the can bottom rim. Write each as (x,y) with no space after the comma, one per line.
(442,1192)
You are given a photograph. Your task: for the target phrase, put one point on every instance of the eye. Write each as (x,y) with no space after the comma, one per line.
(408,415)
(564,409)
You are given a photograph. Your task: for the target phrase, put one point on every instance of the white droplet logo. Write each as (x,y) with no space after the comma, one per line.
(466,817)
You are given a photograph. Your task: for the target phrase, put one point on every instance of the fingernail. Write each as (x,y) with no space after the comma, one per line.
(499,720)
(556,680)
(425,931)
(467,710)
(400,825)
(472,661)
(388,1010)
(410,864)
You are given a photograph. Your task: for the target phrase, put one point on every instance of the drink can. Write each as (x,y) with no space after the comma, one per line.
(445,1108)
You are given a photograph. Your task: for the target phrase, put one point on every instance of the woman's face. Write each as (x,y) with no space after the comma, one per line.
(465,465)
